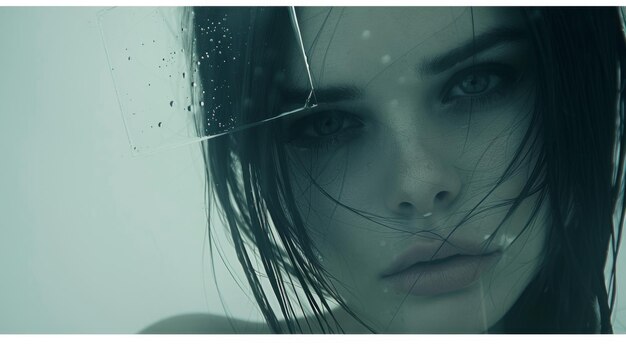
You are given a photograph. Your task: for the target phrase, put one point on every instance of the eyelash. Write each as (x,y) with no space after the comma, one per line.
(505,74)
(295,133)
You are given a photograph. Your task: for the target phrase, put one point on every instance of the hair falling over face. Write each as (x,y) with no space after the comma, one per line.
(417,170)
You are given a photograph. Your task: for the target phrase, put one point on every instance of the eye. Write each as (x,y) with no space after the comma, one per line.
(329,126)
(478,81)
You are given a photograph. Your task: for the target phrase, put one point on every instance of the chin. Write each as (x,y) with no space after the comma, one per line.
(463,312)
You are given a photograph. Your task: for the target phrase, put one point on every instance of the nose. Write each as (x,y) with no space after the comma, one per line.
(421,182)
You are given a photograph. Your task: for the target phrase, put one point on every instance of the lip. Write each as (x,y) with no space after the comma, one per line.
(427,269)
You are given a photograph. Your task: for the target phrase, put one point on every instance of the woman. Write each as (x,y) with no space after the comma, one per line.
(454,170)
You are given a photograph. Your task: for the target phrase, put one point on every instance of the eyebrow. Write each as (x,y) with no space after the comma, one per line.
(429,66)
(482,42)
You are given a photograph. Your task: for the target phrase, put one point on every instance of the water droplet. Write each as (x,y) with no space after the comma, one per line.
(183,74)
(171,103)
(189,108)
(505,240)
(201,103)
(128,58)
(160,123)
(428,214)
(366,34)
(320,258)
(385,59)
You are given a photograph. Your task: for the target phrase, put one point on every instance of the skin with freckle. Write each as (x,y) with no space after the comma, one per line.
(409,166)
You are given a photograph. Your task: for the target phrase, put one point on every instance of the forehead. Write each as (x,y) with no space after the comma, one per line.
(359,43)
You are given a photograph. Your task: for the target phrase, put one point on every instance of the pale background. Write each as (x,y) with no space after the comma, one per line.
(92,239)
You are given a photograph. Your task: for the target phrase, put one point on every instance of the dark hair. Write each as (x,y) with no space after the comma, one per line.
(578,118)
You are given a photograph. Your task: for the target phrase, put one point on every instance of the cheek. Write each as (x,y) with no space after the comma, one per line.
(335,172)
(338,195)
(522,259)
(498,163)
(329,192)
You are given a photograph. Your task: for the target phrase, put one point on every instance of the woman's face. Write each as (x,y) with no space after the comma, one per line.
(420,113)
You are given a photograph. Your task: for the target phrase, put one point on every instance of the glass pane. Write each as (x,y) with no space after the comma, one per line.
(182,78)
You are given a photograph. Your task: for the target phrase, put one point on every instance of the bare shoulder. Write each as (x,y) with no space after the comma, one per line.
(200,323)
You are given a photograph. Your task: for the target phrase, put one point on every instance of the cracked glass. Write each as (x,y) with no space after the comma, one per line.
(181,79)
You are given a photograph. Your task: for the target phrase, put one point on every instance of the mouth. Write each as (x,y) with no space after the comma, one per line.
(426,270)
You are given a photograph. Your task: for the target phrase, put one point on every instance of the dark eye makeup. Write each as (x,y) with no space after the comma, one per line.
(322,128)
(473,89)
(479,85)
